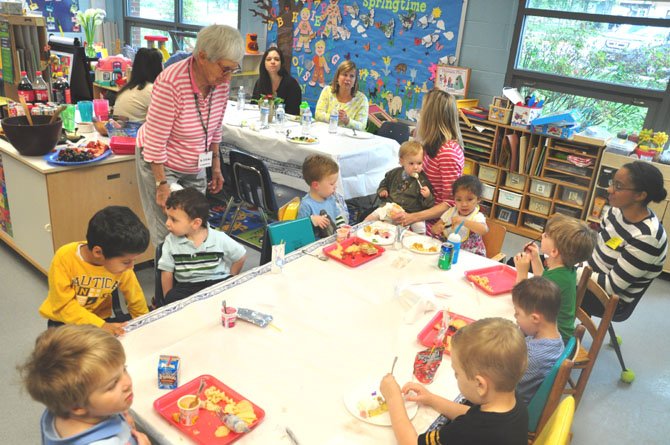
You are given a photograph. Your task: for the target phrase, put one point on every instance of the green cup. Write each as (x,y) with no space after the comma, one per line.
(68,118)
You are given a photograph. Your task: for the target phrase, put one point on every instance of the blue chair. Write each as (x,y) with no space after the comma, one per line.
(537,404)
(294,234)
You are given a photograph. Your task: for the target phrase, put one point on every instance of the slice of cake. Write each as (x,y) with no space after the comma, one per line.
(371,406)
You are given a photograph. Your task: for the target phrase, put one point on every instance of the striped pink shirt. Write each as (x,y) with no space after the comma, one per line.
(444,169)
(173,132)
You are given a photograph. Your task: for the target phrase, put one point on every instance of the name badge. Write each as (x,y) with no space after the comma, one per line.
(205,159)
(614,243)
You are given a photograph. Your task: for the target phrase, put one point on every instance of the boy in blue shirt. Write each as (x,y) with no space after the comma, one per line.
(322,204)
(194,256)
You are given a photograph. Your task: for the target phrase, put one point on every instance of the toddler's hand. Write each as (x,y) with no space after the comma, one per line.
(116,329)
(421,394)
(425,191)
(456,220)
(438,227)
(141,438)
(389,387)
(320,221)
(383,193)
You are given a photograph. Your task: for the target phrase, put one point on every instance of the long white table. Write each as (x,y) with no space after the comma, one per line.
(336,327)
(363,162)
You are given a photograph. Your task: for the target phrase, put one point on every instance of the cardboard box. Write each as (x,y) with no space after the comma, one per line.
(541,188)
(489,174)
(515,181)
(523,115)
(573,196)
(509,199)
(168,372)
(538,205)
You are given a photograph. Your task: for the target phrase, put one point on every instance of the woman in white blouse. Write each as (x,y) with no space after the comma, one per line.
(134,98)
(343,95)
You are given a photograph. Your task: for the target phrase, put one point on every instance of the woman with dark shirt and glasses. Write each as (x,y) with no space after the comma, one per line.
(274,78)
(632,243)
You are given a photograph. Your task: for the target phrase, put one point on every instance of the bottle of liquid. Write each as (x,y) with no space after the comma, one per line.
(455,239)
(61,89)
(280,118)
(305,118)
(265,114)
(334,118)
(240,98)
(41,89)
(25,88)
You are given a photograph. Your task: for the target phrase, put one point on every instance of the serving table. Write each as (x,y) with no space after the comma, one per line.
(334,327)
(363,162)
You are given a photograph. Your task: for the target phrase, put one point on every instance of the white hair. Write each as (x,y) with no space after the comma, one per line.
(220,42)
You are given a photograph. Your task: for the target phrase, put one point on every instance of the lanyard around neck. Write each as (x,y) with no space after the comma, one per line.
(197,107)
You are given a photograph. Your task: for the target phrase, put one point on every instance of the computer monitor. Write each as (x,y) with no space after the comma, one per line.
(73,57)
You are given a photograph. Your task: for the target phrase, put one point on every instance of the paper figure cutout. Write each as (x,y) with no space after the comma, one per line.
(320,65)
(304,32)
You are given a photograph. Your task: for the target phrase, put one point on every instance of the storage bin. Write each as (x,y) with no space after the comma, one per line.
(485,209)
(509,199)
(523,115)
(541,188)
(569,211)
(469,168)
(500,114)
(534,222)
(487,191)
(507,215)
(489,174)
(538,205)
(515,181)
(573,196)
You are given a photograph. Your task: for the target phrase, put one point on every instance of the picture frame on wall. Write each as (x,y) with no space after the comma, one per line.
(453,79)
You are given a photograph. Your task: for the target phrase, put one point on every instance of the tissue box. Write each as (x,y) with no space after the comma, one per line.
(523,115)
(168,372)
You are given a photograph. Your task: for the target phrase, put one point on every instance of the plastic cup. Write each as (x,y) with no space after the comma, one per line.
(278,252)
(343,233)
(187,415)
(101,108)
(68,118)
(85,108)
(229,317)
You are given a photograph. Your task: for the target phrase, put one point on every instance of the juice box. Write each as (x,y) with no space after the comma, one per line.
(168,372)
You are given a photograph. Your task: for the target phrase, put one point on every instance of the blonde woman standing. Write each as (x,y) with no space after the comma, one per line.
(343,95)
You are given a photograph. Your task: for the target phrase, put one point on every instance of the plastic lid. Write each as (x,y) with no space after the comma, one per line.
(38,73)
(304,104)
(155,38)
(23,73)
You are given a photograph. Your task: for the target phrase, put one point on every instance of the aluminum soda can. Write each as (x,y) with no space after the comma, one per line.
(446,256)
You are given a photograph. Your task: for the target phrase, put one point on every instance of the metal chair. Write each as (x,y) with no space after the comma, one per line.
(394,130)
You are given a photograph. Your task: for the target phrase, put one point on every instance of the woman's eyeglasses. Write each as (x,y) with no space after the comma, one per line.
(619,187)
(228,70)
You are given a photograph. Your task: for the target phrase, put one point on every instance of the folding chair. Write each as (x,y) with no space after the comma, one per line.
(394,130)
(557,429)
(585,359)
(494,239)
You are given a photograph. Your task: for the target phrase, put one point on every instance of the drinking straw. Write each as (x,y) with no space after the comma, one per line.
(459,226)
(225,310)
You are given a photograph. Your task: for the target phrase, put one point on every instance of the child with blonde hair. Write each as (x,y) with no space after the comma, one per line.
(565,243)
(79,373)
(405,188)
(488,358)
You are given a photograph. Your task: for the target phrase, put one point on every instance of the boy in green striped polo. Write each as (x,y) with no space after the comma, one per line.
(195,256)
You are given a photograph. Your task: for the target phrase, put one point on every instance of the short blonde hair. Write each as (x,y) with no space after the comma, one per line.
(438,121)
(409,148)
(494,348)
(67,365)
(345,66)
(573,239)
(317,167)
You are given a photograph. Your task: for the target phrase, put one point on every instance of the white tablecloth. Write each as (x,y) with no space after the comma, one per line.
(336,327)
(363,162)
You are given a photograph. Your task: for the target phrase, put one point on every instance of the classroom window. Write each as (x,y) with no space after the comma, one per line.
(611,59)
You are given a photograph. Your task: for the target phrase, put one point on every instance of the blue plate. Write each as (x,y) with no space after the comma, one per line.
(52,158)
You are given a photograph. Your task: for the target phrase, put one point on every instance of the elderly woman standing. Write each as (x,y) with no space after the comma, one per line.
(181,135)
(343,95)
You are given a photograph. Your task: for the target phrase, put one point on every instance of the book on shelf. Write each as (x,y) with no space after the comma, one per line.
(523,148)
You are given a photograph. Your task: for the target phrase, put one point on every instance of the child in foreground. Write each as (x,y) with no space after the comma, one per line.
(79,374)
(83,275)
(536,305)
(194,256)
(467,194)
(405,188)
(488,357)
(322,204)
(565,242)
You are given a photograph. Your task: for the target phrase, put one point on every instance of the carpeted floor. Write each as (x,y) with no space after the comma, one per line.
(248,227)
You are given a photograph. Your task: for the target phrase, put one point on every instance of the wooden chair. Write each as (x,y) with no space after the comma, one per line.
(557,429)
(585,359)
(494,240)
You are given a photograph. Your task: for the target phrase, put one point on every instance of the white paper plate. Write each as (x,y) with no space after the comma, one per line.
(359,134)
(425,241)
(375,238)
(363,390)
(296,140)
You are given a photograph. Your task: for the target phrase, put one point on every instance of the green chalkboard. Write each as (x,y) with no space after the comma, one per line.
(6,50)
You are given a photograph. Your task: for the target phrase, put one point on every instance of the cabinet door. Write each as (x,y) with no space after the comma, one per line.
(75,195)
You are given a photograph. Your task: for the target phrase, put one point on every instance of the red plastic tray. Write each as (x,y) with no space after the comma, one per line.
(428,334)
(501,278)
(122,145)
(356,259)
(207,423)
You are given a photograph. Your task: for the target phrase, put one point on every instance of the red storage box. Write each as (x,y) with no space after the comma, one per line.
(122,145)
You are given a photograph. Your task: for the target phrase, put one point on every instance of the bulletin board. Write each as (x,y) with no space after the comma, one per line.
(396,45)
(60,15)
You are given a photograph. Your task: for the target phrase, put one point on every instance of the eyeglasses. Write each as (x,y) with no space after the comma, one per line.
(619,187)
(227,70)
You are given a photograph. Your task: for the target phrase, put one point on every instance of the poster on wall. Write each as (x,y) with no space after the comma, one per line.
(5,219)
(396,45)
(453,79)
(60,15)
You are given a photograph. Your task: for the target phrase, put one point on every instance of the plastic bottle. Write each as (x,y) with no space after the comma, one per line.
(305,118)
(25,88)
(265,114)
(455,239)
(280,117)
(334,118)
(240,98)
(61,89)
(41,89)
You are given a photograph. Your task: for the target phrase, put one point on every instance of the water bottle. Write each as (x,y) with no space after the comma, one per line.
(305,118)
(240,98)
(455,239)
(334,117)
(280,118)
(265,114)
